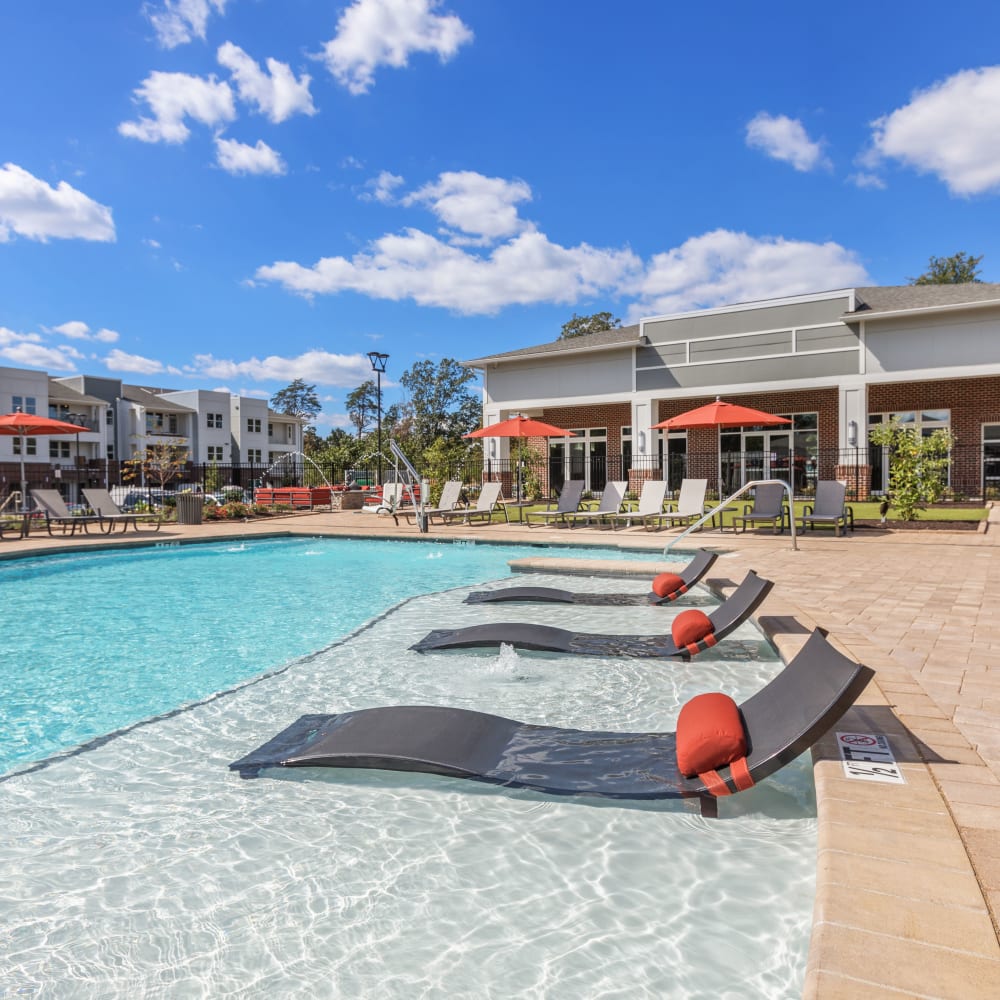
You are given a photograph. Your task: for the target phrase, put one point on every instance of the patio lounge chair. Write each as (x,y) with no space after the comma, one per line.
(568,503)
(488,501)
(829,507)
(690,503)
(109,513)
(450,493)
(691,632)
(650,505)
(52,505)
(667,587)
(717,749)
(768,506)
(611,503)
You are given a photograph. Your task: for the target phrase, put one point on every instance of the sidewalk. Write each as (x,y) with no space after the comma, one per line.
(908,876)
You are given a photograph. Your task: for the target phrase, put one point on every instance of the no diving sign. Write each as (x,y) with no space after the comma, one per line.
(868,756)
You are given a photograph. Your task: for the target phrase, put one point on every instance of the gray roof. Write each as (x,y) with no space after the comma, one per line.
(59,392)
(894,298)
(624,335)
(151,401)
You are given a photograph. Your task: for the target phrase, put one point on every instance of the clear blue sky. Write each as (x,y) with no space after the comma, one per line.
(236,193)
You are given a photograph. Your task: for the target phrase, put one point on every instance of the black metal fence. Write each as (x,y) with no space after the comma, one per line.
(973,473)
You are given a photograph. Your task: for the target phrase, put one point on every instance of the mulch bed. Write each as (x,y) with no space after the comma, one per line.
(918,525)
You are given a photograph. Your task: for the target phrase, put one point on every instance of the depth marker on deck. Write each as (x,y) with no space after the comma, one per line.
(869,757)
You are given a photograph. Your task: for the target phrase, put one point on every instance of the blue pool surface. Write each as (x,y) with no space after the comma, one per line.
(93,642)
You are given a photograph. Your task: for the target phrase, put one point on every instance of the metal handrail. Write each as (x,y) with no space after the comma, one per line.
(725,503)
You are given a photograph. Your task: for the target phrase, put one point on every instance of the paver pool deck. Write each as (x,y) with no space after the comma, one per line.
(908,876)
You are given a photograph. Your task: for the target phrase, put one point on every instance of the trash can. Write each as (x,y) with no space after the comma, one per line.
(189,506)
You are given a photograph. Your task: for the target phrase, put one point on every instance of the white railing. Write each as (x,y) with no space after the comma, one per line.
(725,503)
(417,495)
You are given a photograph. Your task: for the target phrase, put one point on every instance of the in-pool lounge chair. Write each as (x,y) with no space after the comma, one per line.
(650,506)
(690,503)
(488,501)
(611,503)
(666,587)
(109,513)
(829,507)
(691,631)
(52,505)
(717,749)
(568,503)
(450,493)
(768,506)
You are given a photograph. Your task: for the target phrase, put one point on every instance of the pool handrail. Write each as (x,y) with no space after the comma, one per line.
(725,503)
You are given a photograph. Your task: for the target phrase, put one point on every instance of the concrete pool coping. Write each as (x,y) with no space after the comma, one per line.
(908,876)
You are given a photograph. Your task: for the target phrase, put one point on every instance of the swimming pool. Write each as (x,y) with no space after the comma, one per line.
(144,868)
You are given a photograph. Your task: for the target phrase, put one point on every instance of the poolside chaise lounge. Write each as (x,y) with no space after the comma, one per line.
(718,748)
(650,505)
(568,503)
(690,504)
(488,501)
(52,505)
(691,631)
(610,503)
(666,587)
(768,506)
(829,507)
(450,493)
(109,513)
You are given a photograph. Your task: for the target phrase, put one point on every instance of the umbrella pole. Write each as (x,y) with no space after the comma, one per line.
(24,483)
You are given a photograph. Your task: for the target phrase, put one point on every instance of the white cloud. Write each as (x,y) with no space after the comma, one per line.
(77,330)
(276,93)
(381,188)
(784,138)
(474,204)
(31,208)
(372,33)
(27,350)
(320,367)
(864,179)
(177,22)
(238,158)
(119,361)
(172,97)
(150,242)
(723,267)
(951,130)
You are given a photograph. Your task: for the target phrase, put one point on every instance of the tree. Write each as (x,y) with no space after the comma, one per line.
(440,404)
(159,463)
(297,400)
(959,269)
(918,466)
(579,326)
(362,406)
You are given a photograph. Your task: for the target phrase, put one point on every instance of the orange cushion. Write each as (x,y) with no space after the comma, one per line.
(690,627)
(666,583)
(710,734)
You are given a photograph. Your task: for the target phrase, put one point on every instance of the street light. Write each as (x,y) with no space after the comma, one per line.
(378,361)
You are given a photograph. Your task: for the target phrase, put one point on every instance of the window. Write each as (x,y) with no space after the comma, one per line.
(924,422)
(253,455)
(58,449)
(214,419)
(215,452)
(30,446)
(270,430)
(109,416)
(26,404)
(253,425)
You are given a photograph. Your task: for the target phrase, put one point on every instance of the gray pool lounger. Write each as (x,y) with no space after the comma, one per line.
(724,619)
(780,722)
(689,576)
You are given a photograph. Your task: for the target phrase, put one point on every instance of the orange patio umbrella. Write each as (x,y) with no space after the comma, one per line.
(520,427)
(24,425)
(721,414)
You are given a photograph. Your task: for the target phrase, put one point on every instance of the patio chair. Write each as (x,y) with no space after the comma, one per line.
(690,503)
(109,513)
(489,500)
(450,494)
(568,503)
(650,506)
(829,507)
(718,748)
(611,503)
(666,587)
(691,632)
(52,505)
(768,507)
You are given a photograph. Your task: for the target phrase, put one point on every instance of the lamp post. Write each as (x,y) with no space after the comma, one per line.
(76,418)
(378,361)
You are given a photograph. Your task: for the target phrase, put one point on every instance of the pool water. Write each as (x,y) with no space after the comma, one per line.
(143,867)
(94,642)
